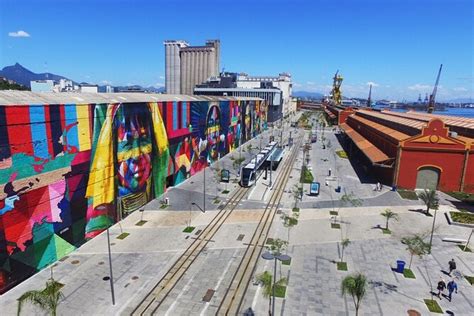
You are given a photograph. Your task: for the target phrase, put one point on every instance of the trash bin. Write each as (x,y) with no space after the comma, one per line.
(394,188)
(400,266)
(338,189)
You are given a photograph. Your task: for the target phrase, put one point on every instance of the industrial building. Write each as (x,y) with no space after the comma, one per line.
(186,66)
(410,150)
(275,90)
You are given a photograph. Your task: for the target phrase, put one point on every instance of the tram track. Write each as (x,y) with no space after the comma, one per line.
(153,300)
(235,293)
(162,289)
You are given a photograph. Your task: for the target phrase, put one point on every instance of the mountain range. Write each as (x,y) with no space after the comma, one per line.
(23,76)
(307,94)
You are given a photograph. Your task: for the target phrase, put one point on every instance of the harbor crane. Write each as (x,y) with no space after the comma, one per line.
(336,94)
(431,102)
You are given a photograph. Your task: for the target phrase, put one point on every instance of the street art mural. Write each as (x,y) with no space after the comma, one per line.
(68,171)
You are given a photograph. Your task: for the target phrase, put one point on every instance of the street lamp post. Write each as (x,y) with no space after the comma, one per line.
(110,267)
(275,257)
(432,230)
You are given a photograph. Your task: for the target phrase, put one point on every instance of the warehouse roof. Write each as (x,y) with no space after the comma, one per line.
(14,97)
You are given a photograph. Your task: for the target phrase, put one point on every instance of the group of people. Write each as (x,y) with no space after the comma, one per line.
(451,286)
(378,187)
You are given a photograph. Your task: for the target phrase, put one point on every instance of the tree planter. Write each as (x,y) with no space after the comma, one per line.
(433,306)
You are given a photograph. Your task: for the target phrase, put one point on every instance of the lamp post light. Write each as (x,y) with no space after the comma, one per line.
(432,230)
(275,257)
(110,267)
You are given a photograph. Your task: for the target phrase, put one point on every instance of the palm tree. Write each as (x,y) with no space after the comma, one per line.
(355,285)
(430,198)
(344,243)
(289,222)
(388,214)
(266,280)
(416,246)
(47,299)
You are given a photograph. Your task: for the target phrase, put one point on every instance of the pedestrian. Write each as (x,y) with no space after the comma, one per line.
(441,287)
(451,287)
(329,172)
(452,266)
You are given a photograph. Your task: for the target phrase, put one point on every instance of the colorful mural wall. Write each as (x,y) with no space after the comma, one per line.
(68,171)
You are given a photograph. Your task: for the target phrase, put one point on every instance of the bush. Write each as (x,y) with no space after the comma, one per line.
(306,175)
(462,217)
(341,154)
(463,197)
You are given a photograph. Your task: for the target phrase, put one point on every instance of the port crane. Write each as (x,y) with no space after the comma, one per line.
(336,94)
(431,102)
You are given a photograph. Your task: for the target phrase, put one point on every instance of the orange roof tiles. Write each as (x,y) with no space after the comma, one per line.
(374,154)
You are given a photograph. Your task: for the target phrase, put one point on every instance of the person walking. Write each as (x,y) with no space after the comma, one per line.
(441,286)
(452,266)
(452,286)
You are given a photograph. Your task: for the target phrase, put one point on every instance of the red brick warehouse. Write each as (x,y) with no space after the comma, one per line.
(411,150)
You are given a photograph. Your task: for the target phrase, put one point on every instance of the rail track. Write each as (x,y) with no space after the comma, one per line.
(161,290)
(234,296)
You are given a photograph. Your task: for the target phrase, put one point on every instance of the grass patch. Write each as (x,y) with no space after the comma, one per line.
(216,201)
(341,154)
(407,273)
(188,229)
(470,279)
(225,192)
(286,262)
(386,231)
(280,291)
(140,223)
(467,248)
(306,175)
(335,226)
(462,217)
(123,236)
(335,213)
(464,197)
(164,206)
(408,194)
(296,209)
(342,266)
(433,306)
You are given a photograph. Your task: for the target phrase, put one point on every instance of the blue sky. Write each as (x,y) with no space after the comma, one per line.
(397,45)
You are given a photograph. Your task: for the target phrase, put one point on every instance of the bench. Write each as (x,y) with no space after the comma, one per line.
(456,240)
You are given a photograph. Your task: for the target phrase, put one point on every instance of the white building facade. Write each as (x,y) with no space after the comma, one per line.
(282,82)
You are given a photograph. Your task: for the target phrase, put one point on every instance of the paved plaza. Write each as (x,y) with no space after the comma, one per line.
(314,284)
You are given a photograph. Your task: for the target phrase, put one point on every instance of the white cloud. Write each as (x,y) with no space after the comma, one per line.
(460,89)
(420,87)
(310,83)
(162,77)
(106,82)
(372,83)
(19,33)
(159,84)
(297,85)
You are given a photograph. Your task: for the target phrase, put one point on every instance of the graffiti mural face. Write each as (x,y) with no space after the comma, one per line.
(134,150)
(213,132)
(69,171)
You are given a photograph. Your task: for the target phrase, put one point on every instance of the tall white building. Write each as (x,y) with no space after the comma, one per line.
(282,82)
(186,66)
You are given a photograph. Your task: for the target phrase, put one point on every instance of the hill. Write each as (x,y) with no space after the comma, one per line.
(23,76)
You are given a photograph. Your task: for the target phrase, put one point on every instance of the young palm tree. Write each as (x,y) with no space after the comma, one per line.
(355,285)
(416,246)
(344,243)
(47,299)
(430,198)
(267,282)
(388,214)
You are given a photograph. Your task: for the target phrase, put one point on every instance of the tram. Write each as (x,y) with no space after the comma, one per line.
(253,170)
